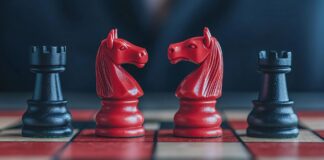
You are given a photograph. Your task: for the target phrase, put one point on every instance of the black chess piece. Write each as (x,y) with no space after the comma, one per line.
(273,115)
(47,114)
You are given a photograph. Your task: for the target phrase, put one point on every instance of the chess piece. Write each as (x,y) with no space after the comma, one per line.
(272,115)
(118,90)
(47,114)
(197,115)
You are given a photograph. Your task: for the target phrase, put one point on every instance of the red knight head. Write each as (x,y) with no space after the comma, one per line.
(122,51)
(112,80)
(206,81)
(194,49)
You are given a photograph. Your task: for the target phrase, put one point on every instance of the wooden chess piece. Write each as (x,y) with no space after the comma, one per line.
(47,114)
(119,91)
(272,115)
(197,116)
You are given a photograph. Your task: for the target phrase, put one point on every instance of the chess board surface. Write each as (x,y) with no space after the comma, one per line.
(159,143)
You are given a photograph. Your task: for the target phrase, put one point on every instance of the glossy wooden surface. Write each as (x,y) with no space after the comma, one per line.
(119,91)
(197,116)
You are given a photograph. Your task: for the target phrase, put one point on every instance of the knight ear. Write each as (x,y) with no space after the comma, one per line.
(116,34)
(110,38)
(207,37)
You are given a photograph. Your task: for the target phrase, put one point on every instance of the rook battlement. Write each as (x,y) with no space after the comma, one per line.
(48,55)
(274,58)
(49,49)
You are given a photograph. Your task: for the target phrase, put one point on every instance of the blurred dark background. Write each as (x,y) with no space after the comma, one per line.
(243,28)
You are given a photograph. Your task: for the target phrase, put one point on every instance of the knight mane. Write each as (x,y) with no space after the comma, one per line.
(213,64)
(103,80)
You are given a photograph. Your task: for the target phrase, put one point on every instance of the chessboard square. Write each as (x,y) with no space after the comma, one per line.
(287,150)
(200,150)
(167,136)
(236,114)
(83,114)
(313,123)
(159,115)
(304,136)
(9,121)
(152,125)
(310,114)
(88,135)
(11,113)
(14,135)
(108,150)
(26,157)
(32,150)
(320,133)
(238,124)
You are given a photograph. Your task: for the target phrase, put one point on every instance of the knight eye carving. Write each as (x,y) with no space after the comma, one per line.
(192,46)
(122,47)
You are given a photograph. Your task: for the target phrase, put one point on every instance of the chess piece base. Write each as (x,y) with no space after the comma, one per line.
(198,133)
(120,132)
(197,118)
(119,118)
(47,119)
(272,120)
(47,133)
(272,133)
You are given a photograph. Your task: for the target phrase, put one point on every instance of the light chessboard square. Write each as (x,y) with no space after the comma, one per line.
(304,136)
(14,135)
(200,150)
(161,115)
(236,114)
(9,121)
(152,125)
(26,157)
(313,123)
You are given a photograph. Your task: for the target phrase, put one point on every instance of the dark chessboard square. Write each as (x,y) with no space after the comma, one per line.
(320,133)
(11,113)
(88,135)
(83,114)
(311,114)
(290,150)
(32,150)
(108,150)
(167,136)
(238,124)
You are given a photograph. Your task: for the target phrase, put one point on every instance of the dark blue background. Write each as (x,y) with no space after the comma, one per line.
(243,28)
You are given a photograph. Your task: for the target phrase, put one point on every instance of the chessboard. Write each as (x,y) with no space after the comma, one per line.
(159,142)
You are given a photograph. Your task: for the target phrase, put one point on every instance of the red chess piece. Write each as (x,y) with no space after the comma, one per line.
(197,116)
(118,90)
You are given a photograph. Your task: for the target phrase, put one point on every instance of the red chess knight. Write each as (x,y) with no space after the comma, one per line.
(197,116)
(118,90)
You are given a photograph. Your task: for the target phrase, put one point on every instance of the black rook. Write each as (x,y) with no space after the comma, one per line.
(272,115)
(47,114)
